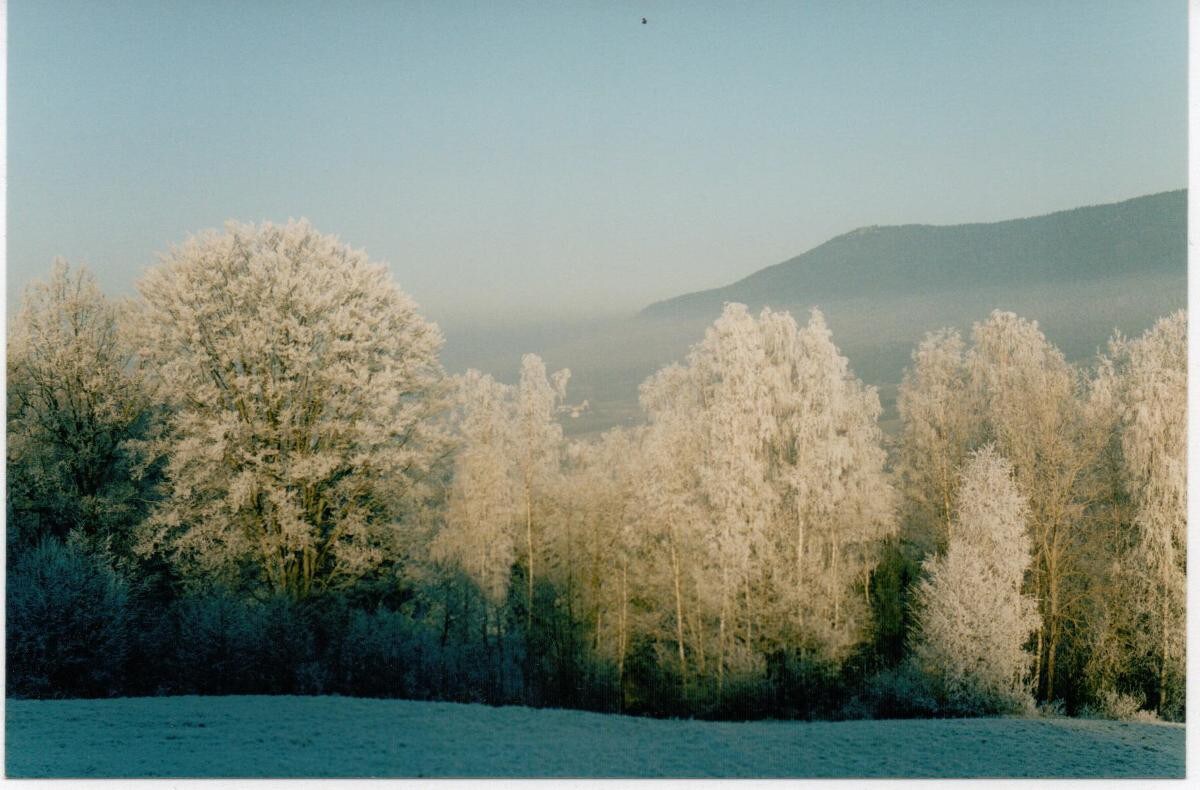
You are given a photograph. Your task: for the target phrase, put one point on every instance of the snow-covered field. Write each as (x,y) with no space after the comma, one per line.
(337,736)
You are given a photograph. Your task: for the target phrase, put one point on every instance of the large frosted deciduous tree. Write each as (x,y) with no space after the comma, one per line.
(304,387)
(729,369)
(73,407)
(973,619)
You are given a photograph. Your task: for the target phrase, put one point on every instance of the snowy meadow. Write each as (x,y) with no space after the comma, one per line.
(257,479)
(341,737)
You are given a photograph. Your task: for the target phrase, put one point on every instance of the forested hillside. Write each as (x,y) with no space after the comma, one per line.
(1144,237)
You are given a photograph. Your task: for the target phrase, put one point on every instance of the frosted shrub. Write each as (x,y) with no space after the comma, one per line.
(900,692)
(803,685)
(1053,709)
(223,645)
(68,624)
(743,697)
(1114,705)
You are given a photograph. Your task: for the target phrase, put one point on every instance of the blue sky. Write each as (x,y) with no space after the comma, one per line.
(538,160)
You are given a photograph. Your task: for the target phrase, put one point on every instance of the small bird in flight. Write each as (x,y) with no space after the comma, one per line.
(643,20)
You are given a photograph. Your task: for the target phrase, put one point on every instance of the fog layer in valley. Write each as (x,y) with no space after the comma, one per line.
(610,357)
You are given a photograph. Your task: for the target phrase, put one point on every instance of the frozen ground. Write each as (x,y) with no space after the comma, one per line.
(337,736)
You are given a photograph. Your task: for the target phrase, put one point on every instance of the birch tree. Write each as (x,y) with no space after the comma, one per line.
(1153,425)
(479,534)
(1032,407)
(939,419)
(603,485)
(973,618)
(835,503)
(766,480)
(304,388)
(736,427)
(667,505)
(538,453)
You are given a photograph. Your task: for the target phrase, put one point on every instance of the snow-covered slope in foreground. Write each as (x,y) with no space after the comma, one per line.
(337,736)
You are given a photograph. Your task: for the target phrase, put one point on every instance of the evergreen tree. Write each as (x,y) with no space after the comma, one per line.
(974,620)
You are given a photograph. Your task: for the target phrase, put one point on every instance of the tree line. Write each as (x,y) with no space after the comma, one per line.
(256,477)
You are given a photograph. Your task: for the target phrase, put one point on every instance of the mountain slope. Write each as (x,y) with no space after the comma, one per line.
(1145,236)
(1080,274)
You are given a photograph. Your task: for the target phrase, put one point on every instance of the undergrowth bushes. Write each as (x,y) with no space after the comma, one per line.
(69,623)
(77,629)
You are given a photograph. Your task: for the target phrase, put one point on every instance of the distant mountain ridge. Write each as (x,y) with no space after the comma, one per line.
(1081,274)
(1141,236)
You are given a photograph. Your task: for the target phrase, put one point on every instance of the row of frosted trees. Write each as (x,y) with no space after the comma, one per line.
(1099,460)
(269,420)
(741,530)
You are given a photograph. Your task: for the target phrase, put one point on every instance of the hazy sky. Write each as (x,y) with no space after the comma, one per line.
(560,158)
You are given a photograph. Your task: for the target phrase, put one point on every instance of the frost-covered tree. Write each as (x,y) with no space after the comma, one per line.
(1063,434)
(601,480)
(539,448)
(1101,654)
(835,503)
(728,369)
(670,512)
(766,486)
(1152,414)
(505,522)
(479,534)
(973,618)
(74,404)
(1033,408)
(304,388)
(939,419)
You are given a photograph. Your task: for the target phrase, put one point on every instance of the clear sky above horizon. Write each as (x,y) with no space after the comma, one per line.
(548,160)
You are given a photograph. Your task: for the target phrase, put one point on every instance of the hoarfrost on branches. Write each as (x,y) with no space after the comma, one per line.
(766,477)
(1149,378)
(75,410)
(304,387)
(974,620)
